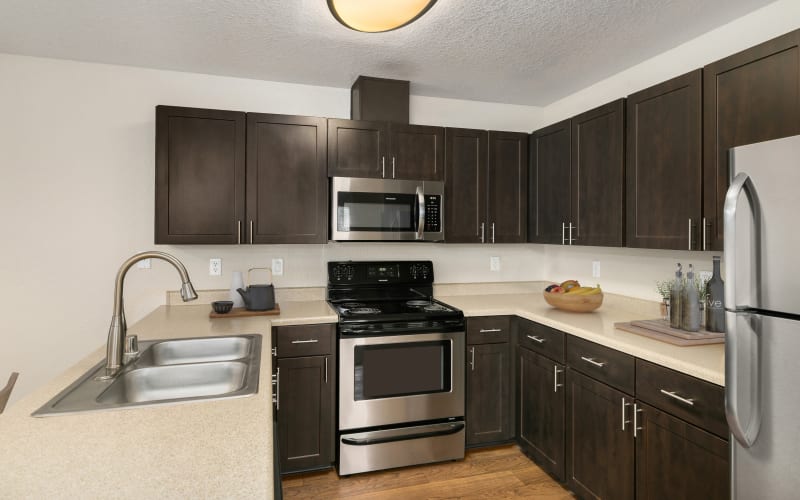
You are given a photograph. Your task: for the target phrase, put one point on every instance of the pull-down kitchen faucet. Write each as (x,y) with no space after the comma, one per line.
(116,351)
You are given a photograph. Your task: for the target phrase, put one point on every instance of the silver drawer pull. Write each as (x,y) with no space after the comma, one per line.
(491,330)
(310,341)
(592,361)
(672,394)
(536,339)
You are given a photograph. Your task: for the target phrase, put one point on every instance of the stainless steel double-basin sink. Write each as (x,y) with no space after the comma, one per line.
(168,372)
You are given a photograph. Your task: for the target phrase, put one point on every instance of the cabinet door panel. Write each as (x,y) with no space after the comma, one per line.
(357,148)
(664,164)
(676,457)
(305,413)
(541,411)
(200,175)
(466,159)
(287,182)
(487,417)
(600,453)
(507,187)
(749,97)
(417,152)
(598,175)
(549,183)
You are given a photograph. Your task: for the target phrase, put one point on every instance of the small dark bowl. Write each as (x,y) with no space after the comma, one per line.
(222,306)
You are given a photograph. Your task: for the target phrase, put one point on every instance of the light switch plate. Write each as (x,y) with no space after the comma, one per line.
(144,264)
(494,263)
(277,267)
(215,267)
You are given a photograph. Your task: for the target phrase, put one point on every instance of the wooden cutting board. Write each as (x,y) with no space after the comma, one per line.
(659,329)
(241,312)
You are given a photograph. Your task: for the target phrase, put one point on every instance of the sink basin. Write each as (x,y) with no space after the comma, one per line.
(173,352)
(168,372)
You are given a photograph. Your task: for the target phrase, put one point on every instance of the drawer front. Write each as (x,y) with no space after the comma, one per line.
(613,367)
(696,401)
(488,329)
(304,340)
(546,341)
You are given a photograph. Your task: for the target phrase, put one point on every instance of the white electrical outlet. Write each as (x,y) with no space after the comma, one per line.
(215,267)
(595,269)
(494,263)
(144,264)
(277,267)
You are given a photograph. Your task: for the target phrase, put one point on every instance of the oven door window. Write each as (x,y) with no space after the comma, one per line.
(395,370)
(376,212)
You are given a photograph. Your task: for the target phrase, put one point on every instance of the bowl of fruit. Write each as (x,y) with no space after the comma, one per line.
(571,296)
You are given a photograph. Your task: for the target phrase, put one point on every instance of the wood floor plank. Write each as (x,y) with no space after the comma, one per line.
(499,472)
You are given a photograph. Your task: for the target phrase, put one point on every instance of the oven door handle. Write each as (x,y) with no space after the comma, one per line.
(449,429)
(421,212)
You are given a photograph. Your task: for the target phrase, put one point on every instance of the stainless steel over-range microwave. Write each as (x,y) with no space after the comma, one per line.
(386,210)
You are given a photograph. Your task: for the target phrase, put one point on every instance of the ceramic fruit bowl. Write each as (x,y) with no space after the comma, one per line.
(574,302)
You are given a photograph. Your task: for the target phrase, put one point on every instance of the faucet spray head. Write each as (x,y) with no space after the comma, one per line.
(187,292)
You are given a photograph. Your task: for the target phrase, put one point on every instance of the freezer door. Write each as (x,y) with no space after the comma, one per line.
(763,386)
(762,240)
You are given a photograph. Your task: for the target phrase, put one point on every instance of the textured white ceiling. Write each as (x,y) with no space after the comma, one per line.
(512,51)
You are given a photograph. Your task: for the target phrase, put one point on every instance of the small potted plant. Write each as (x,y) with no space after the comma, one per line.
(663,288)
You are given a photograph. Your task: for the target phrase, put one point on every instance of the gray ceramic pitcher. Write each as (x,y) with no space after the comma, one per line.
(258,297)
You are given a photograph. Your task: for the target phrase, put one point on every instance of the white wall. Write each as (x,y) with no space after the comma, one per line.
(76,194)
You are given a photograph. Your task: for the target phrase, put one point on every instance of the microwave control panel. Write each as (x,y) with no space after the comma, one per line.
(433,213)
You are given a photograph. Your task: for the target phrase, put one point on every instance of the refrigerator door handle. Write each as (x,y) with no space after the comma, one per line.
(735,340)
(741,183)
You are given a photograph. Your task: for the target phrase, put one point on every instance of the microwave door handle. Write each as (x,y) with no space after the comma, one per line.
(421,212)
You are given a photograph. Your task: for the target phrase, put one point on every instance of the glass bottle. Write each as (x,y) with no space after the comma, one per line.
(675,299)
(690,304)
(715,300)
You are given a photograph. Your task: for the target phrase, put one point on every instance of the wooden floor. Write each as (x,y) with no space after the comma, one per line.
(500,472)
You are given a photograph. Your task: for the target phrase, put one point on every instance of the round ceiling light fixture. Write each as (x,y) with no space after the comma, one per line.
(371,16)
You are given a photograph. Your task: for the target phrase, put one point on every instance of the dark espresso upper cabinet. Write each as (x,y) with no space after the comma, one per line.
(200,175)
(507,185)
(287,182)
(465,184)
(384,150)
(664,165)
(549,183)
(749,97)
(598,175)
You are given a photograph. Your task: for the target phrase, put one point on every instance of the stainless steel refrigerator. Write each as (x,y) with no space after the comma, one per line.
(762,302)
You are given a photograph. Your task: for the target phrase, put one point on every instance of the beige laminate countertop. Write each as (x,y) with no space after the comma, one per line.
(706,362)
(207,449)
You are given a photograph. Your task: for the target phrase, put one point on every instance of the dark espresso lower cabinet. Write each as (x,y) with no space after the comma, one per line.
(601,448)
(488,418)
(541,411)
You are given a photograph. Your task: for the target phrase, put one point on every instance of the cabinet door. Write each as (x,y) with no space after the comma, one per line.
(200,175)
(549,183)
(417,152)
(598,176)
(600,443)
(679,458)
(488,381)
(541,411)
(466,158)
(287,182)
(357,149)
(749,97)
(507,187)
(664,166)
(305,412)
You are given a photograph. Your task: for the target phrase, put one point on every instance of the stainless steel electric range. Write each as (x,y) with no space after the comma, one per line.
(401,367)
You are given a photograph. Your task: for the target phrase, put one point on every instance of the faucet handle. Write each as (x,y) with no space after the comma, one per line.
(131,349)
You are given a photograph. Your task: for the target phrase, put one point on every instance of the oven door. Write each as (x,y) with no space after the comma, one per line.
(385,210)
(400,379)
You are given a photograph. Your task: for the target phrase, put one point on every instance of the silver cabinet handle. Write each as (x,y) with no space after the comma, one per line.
(472,358)
(593,362)
(483,232)
(625,404)
(326,369)
(490,330)
(636,412)
(688,401)
(251,231)
(556,371)
(563,233)
(393,161)
(492,232)
(421,218)
(536,339)
(690,233)
(309,341)
(705,226)
(570,234)
(383,167)
(278,391)
(239,232)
